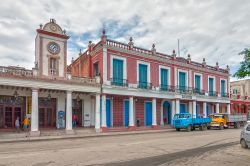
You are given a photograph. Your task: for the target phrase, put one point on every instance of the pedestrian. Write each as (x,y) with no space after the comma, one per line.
(26,123)
(74,120)
(17,124)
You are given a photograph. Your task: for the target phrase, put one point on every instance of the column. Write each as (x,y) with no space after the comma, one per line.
(217,108)
(69,111)
(97,113)
(190,108)
(162,121)
(173,110)
(104,122)
(205,109)
(228,108)
(34,113)
(131,112)
(177,106)
(238,108)
(194,109)
(175,76)
(154,123)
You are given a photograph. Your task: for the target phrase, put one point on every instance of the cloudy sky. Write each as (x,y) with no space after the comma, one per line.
(211,29)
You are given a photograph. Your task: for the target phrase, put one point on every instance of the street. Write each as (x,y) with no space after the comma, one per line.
(167,148)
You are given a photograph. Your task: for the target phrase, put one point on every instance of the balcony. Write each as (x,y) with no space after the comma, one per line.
(167,88)
(119,82)
(198,91)
(212,93)
(144,85)
(184,89)
(224,95)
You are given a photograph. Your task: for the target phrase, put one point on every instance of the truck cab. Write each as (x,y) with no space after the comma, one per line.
(182,121)
(218,120)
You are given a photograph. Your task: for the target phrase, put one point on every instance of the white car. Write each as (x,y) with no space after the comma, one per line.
(245,136)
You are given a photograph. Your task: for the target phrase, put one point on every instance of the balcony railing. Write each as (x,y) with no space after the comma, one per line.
(167,88)
(224,95)
(212,93)
(198,91)
(119,82)
(184,89)
(144,85)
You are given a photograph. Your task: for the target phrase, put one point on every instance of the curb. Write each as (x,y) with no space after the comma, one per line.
(65,137)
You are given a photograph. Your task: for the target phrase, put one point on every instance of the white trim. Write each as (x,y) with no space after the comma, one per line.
(148,70)
(112,57)
(184,71)
(214,83)
(201,80)
(225,85)
(104,62)
(169,72)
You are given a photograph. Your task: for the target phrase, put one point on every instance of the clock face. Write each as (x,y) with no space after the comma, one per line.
(53,27)
(53,48)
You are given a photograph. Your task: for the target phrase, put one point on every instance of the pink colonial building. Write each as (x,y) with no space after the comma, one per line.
(141,87)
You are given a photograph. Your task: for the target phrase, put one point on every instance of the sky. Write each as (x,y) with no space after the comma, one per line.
(212,29)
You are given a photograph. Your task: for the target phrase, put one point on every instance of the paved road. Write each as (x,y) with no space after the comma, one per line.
(113,150)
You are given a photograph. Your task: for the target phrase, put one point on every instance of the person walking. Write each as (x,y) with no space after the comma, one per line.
(26,123)
(17,124)
(74,120)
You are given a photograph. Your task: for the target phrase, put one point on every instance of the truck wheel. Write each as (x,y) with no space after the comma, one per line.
(178,129)
(209,127)
(189,128)
(243,143)
(221,126)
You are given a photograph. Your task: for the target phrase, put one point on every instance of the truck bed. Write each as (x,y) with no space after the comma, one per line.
(237,118)
(201,120)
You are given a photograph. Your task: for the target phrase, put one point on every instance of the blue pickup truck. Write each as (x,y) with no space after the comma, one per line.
(185,121)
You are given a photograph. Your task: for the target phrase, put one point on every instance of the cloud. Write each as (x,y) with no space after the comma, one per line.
(215,30)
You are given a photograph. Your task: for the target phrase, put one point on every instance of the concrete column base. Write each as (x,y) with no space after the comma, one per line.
(155,127)
(34,133)
(131,128)
(70,132)
(104,129)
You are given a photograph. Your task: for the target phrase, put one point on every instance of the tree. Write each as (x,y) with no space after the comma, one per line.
(244,69)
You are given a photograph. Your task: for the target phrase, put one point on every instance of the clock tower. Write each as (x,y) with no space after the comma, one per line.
(51,50)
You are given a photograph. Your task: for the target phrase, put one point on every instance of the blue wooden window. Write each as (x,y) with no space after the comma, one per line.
(117,72)
(211,86)
(143,73)
(164,78)
(197,80)
(182,80)
(223,88)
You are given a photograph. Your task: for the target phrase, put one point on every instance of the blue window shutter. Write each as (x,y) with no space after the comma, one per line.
(182,80)
(143,73)
(197,82)
(117,71)
(211,84)
(222,90)
(164,77)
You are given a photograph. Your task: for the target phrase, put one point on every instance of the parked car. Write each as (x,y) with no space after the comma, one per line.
(245,136)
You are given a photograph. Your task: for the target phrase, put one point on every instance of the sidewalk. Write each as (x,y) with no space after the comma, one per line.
(46,135)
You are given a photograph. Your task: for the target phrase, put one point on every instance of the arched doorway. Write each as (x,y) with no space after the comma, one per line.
(167,113)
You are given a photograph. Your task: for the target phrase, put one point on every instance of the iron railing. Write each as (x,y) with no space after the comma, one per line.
(144,85)
(184,89)
(212,93)
(199,91)
(223,94)
(119,82)
(167,88)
